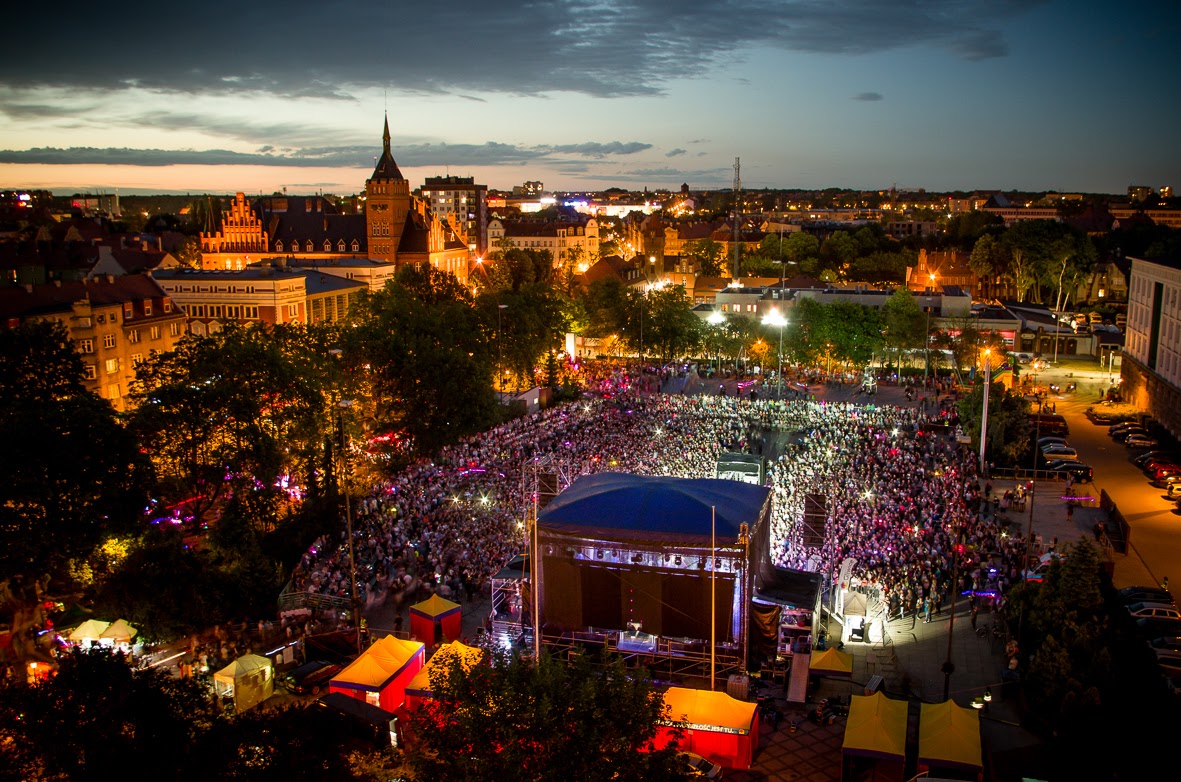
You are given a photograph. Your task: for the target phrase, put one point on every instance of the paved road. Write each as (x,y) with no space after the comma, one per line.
(1156,527)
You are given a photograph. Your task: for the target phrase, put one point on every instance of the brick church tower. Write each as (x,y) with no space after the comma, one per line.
(387,201)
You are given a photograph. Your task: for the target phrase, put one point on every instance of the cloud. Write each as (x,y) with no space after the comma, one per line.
(488,154)
(868,96)
(674,152)
(515,47)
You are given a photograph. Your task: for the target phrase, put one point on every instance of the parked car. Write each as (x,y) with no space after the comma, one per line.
(1148,610)
(1083,473)
(1164,472)
(1155,628)
(1141,459)
(1124,434)
(699,767)
(1169,642)
(1154,464)
(311,678)
(1173,487)
(1141,441)
(1169,658)
(1051,440)
(1122,425)
(1052,452)
(1140,594)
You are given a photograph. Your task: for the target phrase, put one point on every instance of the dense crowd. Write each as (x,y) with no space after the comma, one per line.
(901,500)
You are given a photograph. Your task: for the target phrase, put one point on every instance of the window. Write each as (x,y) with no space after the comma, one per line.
(168,305)
(137,359)
(309,245)
(279,246)
(174,329)
(327,246)
(102,318)
(250,289)
(127,311)
(114,317)
(112,365)
(292,310)
(90,371)
(356,245)
(147,308)
(340,246)
(85,346)
(108,341)
(155,332)
(133,336)
(113,391)
(250,312)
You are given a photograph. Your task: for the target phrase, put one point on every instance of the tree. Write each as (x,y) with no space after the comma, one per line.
(189,253)
(707,256)
(1008,423)
(72,473)
(904,320)
(515,719)
(95,714)
(800,246)
(430,358)
(838,251)
(672,330)
(854,332)
(988,260)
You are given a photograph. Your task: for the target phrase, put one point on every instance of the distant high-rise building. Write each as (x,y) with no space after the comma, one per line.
(529,189)
(464,203)
(1166,191)
(1139,192)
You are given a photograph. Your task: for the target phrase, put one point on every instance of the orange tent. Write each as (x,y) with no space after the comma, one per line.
(433,616)
(419,688)
(875,738)
(715,726)
(380,675)
(949,738)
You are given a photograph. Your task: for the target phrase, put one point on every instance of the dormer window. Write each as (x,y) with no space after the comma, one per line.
(309,245)
(279,246)
(356,245)
(327,246)
(340,246)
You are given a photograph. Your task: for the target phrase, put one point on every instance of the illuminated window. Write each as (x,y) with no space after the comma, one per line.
(174,329)
(111,365)
(133,336)
(155,332)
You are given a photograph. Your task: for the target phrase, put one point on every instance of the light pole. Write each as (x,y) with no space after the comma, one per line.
(774,318)
(984,415)
(716,319)
(341,406)
(927,342)
(499,349)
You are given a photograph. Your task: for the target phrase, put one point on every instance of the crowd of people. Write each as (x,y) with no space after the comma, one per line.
(902,500)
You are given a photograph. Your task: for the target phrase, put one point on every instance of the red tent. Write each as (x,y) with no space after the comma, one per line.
(432,615)
(380,675)
(716,726)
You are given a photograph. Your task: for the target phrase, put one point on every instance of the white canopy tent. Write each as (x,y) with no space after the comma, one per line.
(248,681)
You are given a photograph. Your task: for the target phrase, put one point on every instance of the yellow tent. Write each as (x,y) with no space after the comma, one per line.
(876,727)
(371,671)
(119,633)
(831,662)
(709,707)
(468,656)
(89,631)
(949,736)
(380,675)
(249,680)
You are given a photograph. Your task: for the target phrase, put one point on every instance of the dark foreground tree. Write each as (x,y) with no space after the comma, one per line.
(72,472)
(513,719)
(1008,423)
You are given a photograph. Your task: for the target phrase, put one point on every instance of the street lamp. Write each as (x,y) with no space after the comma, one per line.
(774,318)
(927,342)
(499,349)
(984,415)
(716,319)
(341,406)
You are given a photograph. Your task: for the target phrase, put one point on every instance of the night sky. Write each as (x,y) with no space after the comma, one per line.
(1070,95)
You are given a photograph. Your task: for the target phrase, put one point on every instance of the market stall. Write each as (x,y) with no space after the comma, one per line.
(89,632)
(380,675)
(247,681)
(716,726)
(875,739)
(118,634)
(419,688)
(435,617)
(949,741)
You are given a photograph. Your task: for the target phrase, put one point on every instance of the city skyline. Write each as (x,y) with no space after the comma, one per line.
(846,93)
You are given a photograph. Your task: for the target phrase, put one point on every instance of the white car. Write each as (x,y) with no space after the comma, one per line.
(1140,441)
(1052,452)
(1154,611)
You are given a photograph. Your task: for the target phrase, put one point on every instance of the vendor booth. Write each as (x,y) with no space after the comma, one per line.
(831,662)
(89,632)
(949,741)
(380,675)
(247,681)
(436,617)
(875,739)
(419,688)
(716,726)
(118,634)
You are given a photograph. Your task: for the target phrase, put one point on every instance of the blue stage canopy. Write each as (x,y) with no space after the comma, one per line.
(655,508)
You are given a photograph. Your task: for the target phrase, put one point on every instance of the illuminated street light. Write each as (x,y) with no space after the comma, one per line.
(774,318)
(984,415)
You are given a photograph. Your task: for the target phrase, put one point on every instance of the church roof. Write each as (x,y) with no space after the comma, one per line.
(386,167)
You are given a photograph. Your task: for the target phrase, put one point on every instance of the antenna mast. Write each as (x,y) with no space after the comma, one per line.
(737,187)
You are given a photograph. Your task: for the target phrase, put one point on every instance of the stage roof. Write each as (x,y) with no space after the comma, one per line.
(642,507)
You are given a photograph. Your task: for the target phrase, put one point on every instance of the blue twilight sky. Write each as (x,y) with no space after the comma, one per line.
(944,94)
